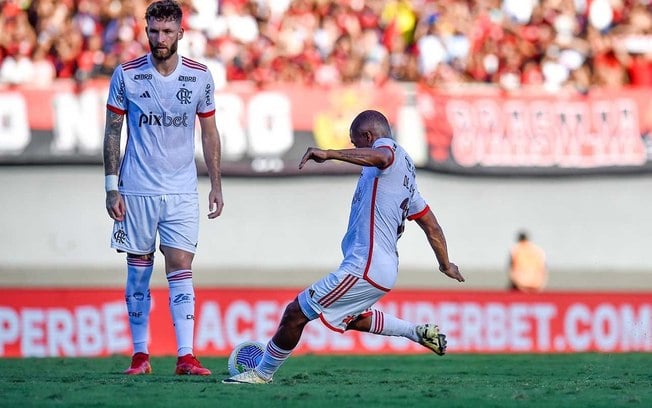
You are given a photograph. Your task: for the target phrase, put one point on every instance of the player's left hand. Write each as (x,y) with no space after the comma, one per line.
(452,272)
(215,203)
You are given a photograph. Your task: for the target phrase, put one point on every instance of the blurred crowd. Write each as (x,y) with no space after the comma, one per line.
(549,44)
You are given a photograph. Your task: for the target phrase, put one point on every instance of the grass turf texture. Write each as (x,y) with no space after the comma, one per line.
(533,380)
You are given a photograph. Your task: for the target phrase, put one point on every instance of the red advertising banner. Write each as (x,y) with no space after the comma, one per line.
(491,131)
(85,322)
(263,130)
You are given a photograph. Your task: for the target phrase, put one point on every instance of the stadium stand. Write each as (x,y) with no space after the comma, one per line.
(514,44)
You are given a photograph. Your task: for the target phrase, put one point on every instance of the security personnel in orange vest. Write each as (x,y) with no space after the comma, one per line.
(528,271)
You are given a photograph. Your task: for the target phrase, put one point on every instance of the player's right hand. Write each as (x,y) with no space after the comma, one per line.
(313,153)
(115,205)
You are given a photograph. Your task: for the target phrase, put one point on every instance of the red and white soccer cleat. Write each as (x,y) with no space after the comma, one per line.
(139,365)
(189,365)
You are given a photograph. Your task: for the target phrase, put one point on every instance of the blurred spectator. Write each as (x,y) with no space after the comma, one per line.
(91,60)
(527,266)
(17,43)
(551,44)
(43,72)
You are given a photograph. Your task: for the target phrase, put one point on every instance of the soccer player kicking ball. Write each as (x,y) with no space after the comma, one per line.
(386,195)
(156,190)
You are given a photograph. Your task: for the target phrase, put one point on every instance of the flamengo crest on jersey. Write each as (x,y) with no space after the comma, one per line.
(160,110)
(384,199)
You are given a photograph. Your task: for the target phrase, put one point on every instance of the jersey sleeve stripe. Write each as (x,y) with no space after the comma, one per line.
(206,114)
(419,214)
(192,62)
(138,62)
(187,62)
(115,109)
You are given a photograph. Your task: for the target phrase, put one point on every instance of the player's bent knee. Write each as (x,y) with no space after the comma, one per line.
(293,315)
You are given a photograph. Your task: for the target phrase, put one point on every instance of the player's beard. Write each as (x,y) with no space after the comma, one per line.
(164,54)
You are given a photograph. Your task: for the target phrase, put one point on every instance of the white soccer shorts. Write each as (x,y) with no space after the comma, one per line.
(338,299)
(175,217)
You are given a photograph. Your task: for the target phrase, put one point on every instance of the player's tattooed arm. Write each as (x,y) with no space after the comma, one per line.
(367,156)
(111,150)
(115,205)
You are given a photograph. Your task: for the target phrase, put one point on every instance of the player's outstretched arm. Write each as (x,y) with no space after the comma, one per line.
(115,205)
(315,154)
(365,156)
(437,241)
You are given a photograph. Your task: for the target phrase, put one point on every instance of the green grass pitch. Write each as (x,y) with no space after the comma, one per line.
(426,380)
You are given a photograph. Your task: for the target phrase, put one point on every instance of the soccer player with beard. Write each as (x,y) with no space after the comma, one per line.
(153,190)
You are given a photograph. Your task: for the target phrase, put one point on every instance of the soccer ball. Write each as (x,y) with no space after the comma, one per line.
(245,356)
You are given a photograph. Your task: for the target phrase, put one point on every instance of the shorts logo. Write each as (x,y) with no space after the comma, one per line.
(184,95)
(120,236)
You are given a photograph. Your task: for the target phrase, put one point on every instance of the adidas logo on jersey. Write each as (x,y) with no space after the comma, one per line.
(145,95)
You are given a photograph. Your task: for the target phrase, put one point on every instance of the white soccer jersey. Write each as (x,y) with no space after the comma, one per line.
(160,152)
(383,200)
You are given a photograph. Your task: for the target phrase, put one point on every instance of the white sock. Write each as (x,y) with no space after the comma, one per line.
(139,301)
(388,325)
(182,309)
(272,360)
